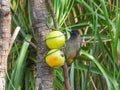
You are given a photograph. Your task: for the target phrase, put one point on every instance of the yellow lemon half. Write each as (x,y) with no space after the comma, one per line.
(55,58)
(55,40)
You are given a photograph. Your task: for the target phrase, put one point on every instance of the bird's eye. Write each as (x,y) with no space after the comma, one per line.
(62,55)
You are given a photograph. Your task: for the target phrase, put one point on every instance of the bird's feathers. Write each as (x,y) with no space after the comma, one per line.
(72,46)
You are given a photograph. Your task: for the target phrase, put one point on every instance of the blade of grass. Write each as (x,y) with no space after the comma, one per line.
(109,79)
(17,73)
(72,76)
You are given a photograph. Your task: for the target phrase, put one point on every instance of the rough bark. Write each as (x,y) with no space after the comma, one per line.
(5,25)
(66,77)
(44,77)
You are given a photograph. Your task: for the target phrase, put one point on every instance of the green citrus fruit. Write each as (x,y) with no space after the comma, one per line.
(55,40)
(55,58)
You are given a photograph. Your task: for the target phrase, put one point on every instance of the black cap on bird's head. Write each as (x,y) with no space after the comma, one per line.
(74,32)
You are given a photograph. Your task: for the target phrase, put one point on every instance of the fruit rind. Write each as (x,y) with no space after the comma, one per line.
(55,40)
(55,58)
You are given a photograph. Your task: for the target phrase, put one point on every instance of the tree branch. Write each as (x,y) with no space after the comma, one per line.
(53,14)
(32,44)
(65,67)
(13,38)
(66,77)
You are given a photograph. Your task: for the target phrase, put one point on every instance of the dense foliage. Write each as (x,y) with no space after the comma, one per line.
(98,64)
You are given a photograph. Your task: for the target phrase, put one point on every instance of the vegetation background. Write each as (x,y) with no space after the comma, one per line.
(98,64)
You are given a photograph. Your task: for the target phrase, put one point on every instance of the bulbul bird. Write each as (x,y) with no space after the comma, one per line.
(72,46)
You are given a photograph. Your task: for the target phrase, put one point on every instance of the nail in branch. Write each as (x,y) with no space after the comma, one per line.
(65,67)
